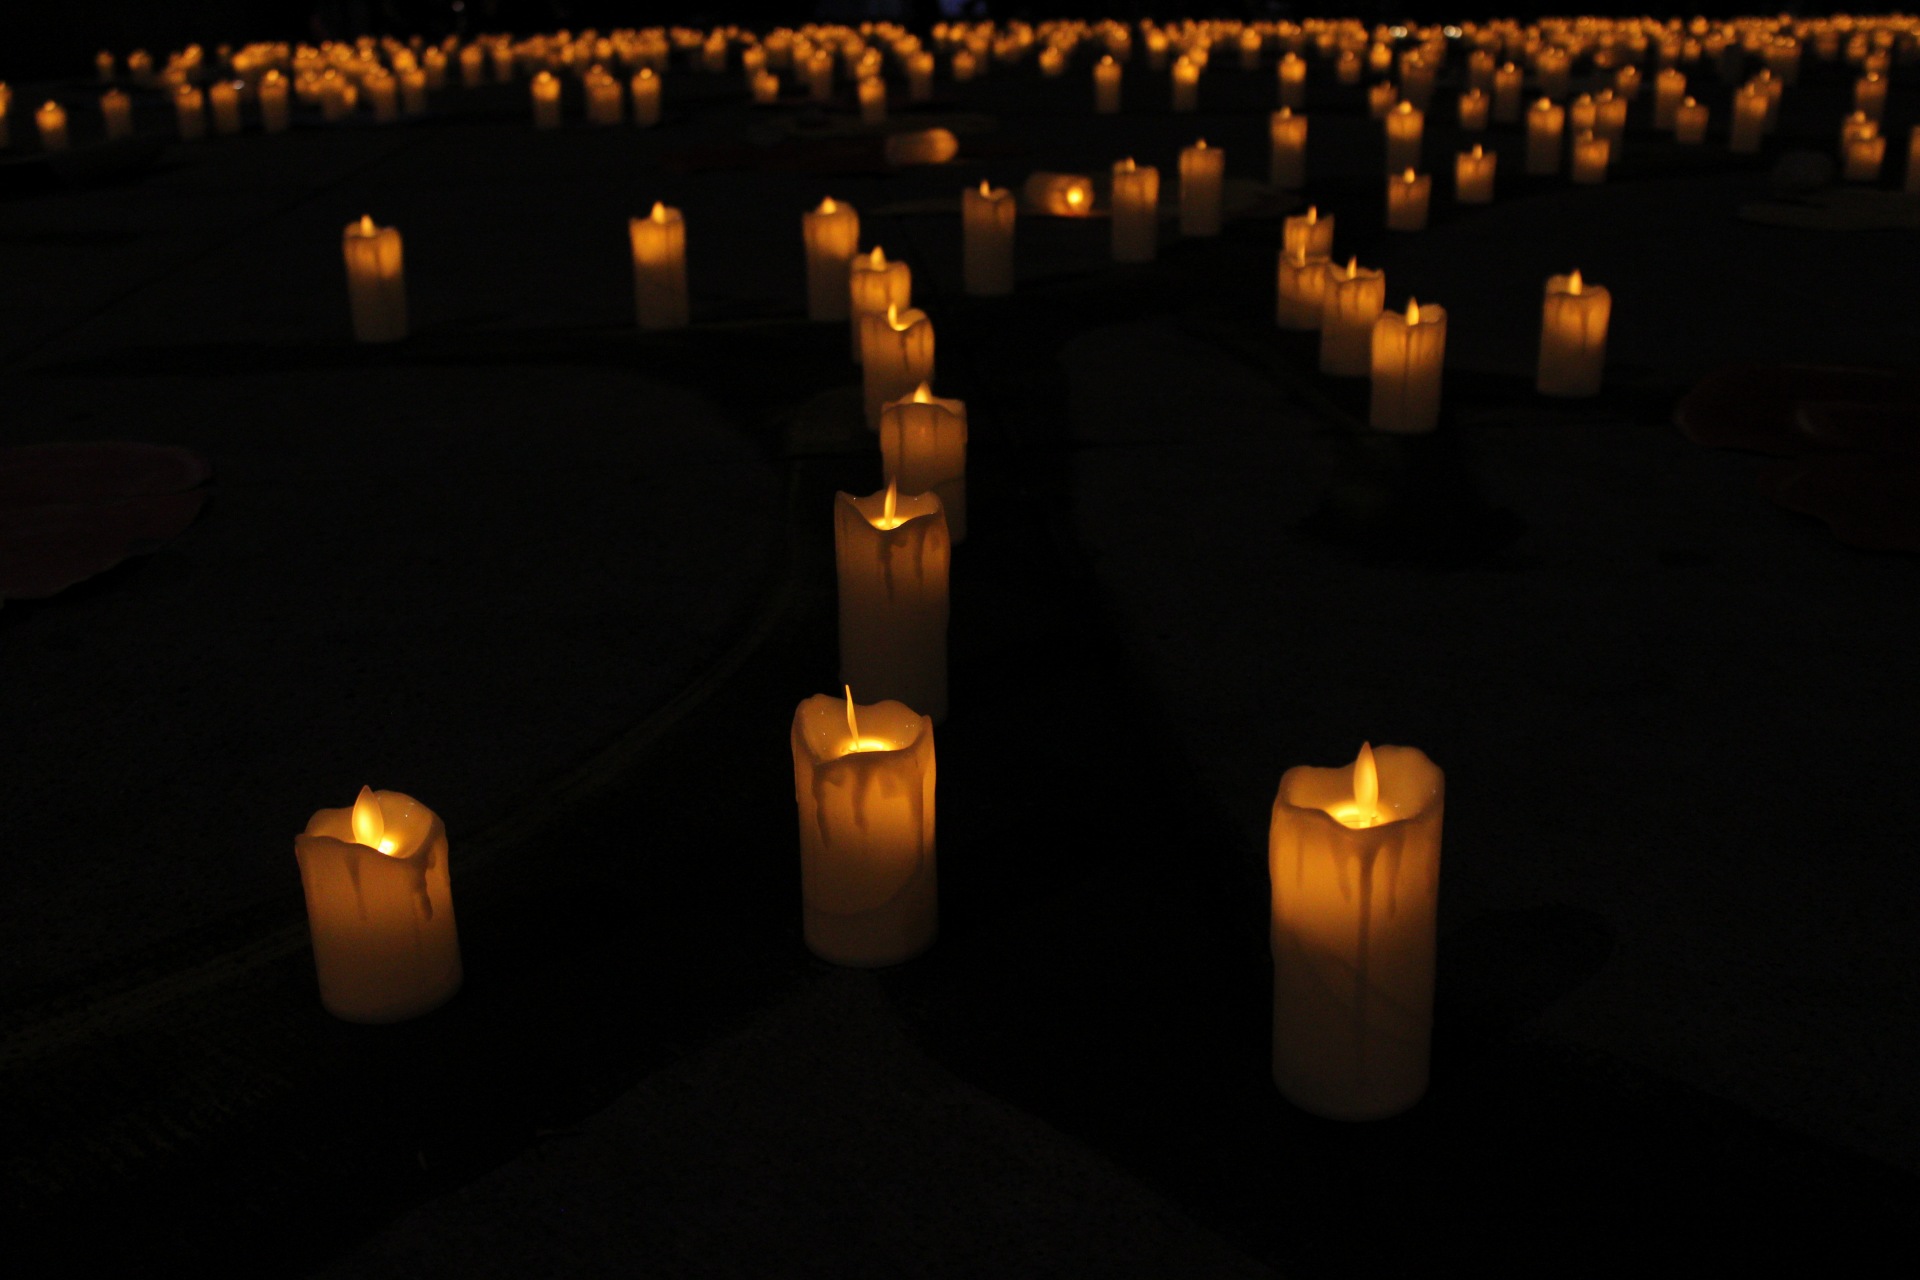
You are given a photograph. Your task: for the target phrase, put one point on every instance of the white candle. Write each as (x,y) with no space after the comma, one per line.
(223,103)
(660,268)
(1106,86)
(1690,123)
(190,113)
(1308,233)
(892,553)
(276,111)
(1287,161)
(1863,159)
(874,286)
(1352,303)
(923,449)
(1202,182)
(986,260)
(1186,84)
(545,92)
(832,233)
(1475,107)
(1136,212)
(1573,337)
(645,89)
(51,121)
(1300,296)
(376,282)
(116,112)
(1590,156)
(1409,195)
(1292,74)
(896,356)
(1408,353)
(872,92)
(1473,176)
(1405,126)
(1545,122)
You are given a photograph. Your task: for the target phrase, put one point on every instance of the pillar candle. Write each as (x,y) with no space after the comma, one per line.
(1287,160)
(1405,125)
(190,113)
(1690,123)
(896,355)
(606,104)
(986,257)
(1353,302)
(1870,95)
(1300,297)
(51,119)
(1912,184)
(116,112)
(863,781)
(1626,83)
(1066,195)
(1669,88)
(1052,62)
(1475,107)
(1508,86)
(413,91)
(872,92)
(473,66)
(1863,159)
(923,447)
(1408,352)
(1348,68)
(433,64)
(1353,858)
(545,91)
(1417,78)
(1749,119)
(1590,156)
(1610,120)
(832,233)
(1136,212)
(819,75)
(1381,99)
(766,88)
(920,77)
(1308,233)
(276,112)
(376,282)
(1545,121)
(874,286)
(964,66)
(1409,195)
(1186,84)
(1250,45)
(1473,176)
(223,105)
(1106,86)
(6,103)
(892,551)
(383,95)
(380,907)
(1202,179)
(1581,113)
(1292,74)
(1573,337)
(660,268)
(103,65)
(1856,125)
(645,89)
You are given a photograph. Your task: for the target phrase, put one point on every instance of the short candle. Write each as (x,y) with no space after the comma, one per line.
(1136,212)
(875,285)
(1473,176)
(1573,337)
(1202,182)
(1408,353)
(896,355)
(1409,196)
(986,251)
(1307,233)
(1287,159)
(1590,155)
(1300,295)
(116,113)
(1354,299)
(51,121)
(660,268)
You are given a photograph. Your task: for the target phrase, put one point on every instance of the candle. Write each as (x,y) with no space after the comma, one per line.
(1690,123)
(379,907)
(1912,184)
(920,77)
(383,95)
(337,97)
(1508,87)
(1590,156)
(920,146)
(473,66)
(413,91)
(116,111)
(223,104)
(190,113)
(1287,159)
(872,93)
(545,91)
(376,282)
(1408,351)
(1573,337)
(660,268)
(103,64)
(1863,158)
(606,104)
(1354,866)
(892,551)
(1106,86)
(863,780)
(1544,124)
(433,64)
(1870,95)
(1052,62)
(964,66)
(1186,84)
(1749,119)
(986,248)
(1582,113)
(1475,108)
(1067,195)
(1473,176)
(1302,290)
(1308,233)
(1353,301)
(1408,196)
(51,119)
(832,233)
(1347,68)
(1292,73)
(1136,212)
(874,287)
(6,102)
(819,73)
(1669,88)
(645,89)
(1626,82)
(766,88)
(1381,99)
(896,355)
(1404,125)
(276,112)
(923,446)
(1202,178)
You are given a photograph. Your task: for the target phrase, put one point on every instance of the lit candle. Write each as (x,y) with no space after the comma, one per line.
(380,908)
(1690,123)
(1582,113)
(875,286)
(116,111)
(1202,181)
(1106,86)
(1475,108)
(1473,176)
(1354,866)
(6,102)
(1381,99)
(1292,73)
(819,72)
(1052,62)
(892,552)
(1870,95)
(376,282)
(1573,337)
(1405,125)
(832,233)
(660,268)
(1590,156)
(1508,92)
(986,249)
(920,77)
(1186,84)
(1408,352)
(766,88)
(383,95)
(1302,291)
(473,66)
(872,92)
(223,105)
(923,446)
(190,113)
(1287,159)
(1669,89)
(964,66)
(1348,68)
(1066,195)
(920,146)
(1353,301)
(896,355)
(863,779)
(1626,82)
(1864,156)
(545,90)
(276,112)
(337,97)
(606,104)
(1545,121)
(645,89)
(1307,233)
(1750,105)
(51,120)
(103,64)
(1912,184)
(413,91)
(1136,212)
(1408,196)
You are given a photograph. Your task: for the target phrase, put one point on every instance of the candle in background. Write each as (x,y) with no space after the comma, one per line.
(1475,107)
(6,103)
(1381,99)
(872,92)
(832,233)
(276,112)
(1106,86)
(1347,68)
(1353,301)
(383,95)
(892,552)
(103,65)
(923,448)
(1052,62)
(116,112)
(986,249)
(1591,153)
(1066,195)
(1203,172)
(1749,119)
(1136,212)
(766,88)
(1292,73)
(1690,123)
(1287,161)
(1408,353)
(1912,184)
(1870,96)
(223,104)
(920,77)
(1669,88)
(1573,337)
(545,92)
(1354,868)
(964,66)
(606,104)
(645,89)
(1508,87)
(920,146)
(376,282)
(1405,125)
(1302,290)
(1581,114)
(413,91)
(1863,158)
(190,113)
(380,907)
(1473,176)
(875,285)
(896,355)
(1409,195)
(1308,233)
(1186,84)
(1626,83)
(863,781)
(1545,122)
(51,120)
(660,268)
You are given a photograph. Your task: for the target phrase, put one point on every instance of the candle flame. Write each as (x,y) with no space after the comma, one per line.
(1366,781)
(1413,318)
(1407,177)
(659,213)
(890,502)
(369,824)
(878,258)
(366,224)
(827,205)
(923,394)
(1478,153)
(985,190)
(1353,267)
(1125,166)
(1200,145)
(646,73)
(1313,214)
(1286,113)
(1106,60)
(1403,108)
(853,722)
(1076,197)
(1573,281)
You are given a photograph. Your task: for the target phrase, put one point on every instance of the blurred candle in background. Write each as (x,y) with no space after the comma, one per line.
(116,113)
(1545,123)
(1354,298)
(1301,290)
(896,356)
(276,112)
(190,113)
(1409,196)
(831,233)
(1106,86)
(1473,176)
(1136,212)
(1408,352)
(1307,233)
(645,89)
(660,268)
(987,219)
(376,282)
(1573,337)
(51,121)
(1202,186)
(545,92)
(1287,162)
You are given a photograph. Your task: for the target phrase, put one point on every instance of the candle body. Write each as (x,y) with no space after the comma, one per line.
(1912,184)
(1353,915)
(1136,212)
(1301,291)
(276,108)
(923,447)
(1106,87)
(832,233)
(1669,90)
(1409,196)
(1352,304)
(660,269)
(190,113)
(645,90)
(1545,122)
(1203,171)
(1863,159)
(1590,155)
(1573,338)
(376,283)
(872,92)
(1749,121)
(545,91)
(1690,123)
(51,121)
(1287,162)
(893,598)
(1381,99)
(383,95)
(766,88)
(1408,354)
(413,92)
(1508,86)
(920,77)
(868,886)
(1307,233)
(116,112)
(1186,85)
(1475,107)
(987,219)
(1292,74)
(1405,126)
(896,355)
(873,285)
(384,942)
(1473,176)
(606,104)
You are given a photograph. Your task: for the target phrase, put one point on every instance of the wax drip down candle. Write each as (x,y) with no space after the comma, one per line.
(923,449)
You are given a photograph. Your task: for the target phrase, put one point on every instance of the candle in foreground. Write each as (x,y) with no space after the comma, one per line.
(1409,196)
(923,447)
(863,780)
(545,91)
(892,552)
(986,248)
(376,282)
(832,233)
(1136,212)
(896,355)
(1353,300)
(116,113)
(1473,176)
(1573,337)
(1307,233)
(51,120)
(380,907)
(873,286)
(1353,859)
(660,268)
(1545,122)
(1287,161)
(1106,86)
(1301,291)
(1202,181)
(1408,353)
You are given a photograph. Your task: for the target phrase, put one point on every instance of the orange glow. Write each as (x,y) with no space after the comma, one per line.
(878,258)
(1125,166)
(827,205)
(1353,267)
(923,394)
(1573,282)
(366,224)
(1075,197)
(659,213)
(369,824)
(985,190)
(856,743)
(1413,318)
(1478,153)
(1407,177)
(1313,214)
(1200,145)
(1364,811)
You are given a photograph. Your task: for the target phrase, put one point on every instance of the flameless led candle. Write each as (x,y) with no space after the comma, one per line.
(923,446)
(1475,107)
(376,282)
(986,248)
(896,355)
(1307,233)
(1590,156)
(875,285)
(1106,86)
(1690,123)
(863,781)
(872,92)
(1870,96)
(1352,302)
(1202,180)
(1405,125)
(1545,121)
(1302,290)
(1354,866)
(1067,195)
(832,233)
(1292,73)
(660,268)
(1863,159)
(1287,159)
(116,112)
(276,112)
(545,92)
(1473,176)
(190,113)
(1508,92)
(1669,88)
(893,551)
(1573,337)
(645,89)
(380,908)
(51,120)
(1136,212)
(1409,195)
(1381,99)
(1408,353)
(1749,119)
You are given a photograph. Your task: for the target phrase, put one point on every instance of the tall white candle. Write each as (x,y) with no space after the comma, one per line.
(893,553)
(831,233)
(1545,122)
(660,268)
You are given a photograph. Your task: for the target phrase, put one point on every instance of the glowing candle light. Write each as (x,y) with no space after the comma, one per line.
(1508,92)
(103,66)
(920,77)
(606,102)
(1308,233)
(875,286)
(964,66)
(1475,108)
(116,112)
(1912,184)
(473,67)
(872,93)
(1136,212)
(1300,297)
(1287,157)
(380,908)
(1348,68)
(660,268)
(1863,158)
(1186,84)
(1203,172)
(920,146)
(6,102)
(383,95)
(1106,86)
(1405,124)
(1690,123)
(896,355)
(1870,95)
(276,110)
(986,251)
(190,113)
(1354,866)
(1591,153)
(645,89)
(433,65)
(1066,195)
(1408,353)
(766,88)
(223,105)
(892,553)
(1473,176)
(863,780)
(51,120)
(1381,99)
(923,445)
(413,91)
(1750,105)
(376,282)
(1409,196)
(832,234)
(1669,89)
(1545,122)
(1292,74)
(819,74)
(1573,337)
(545,91)
(1353,301)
